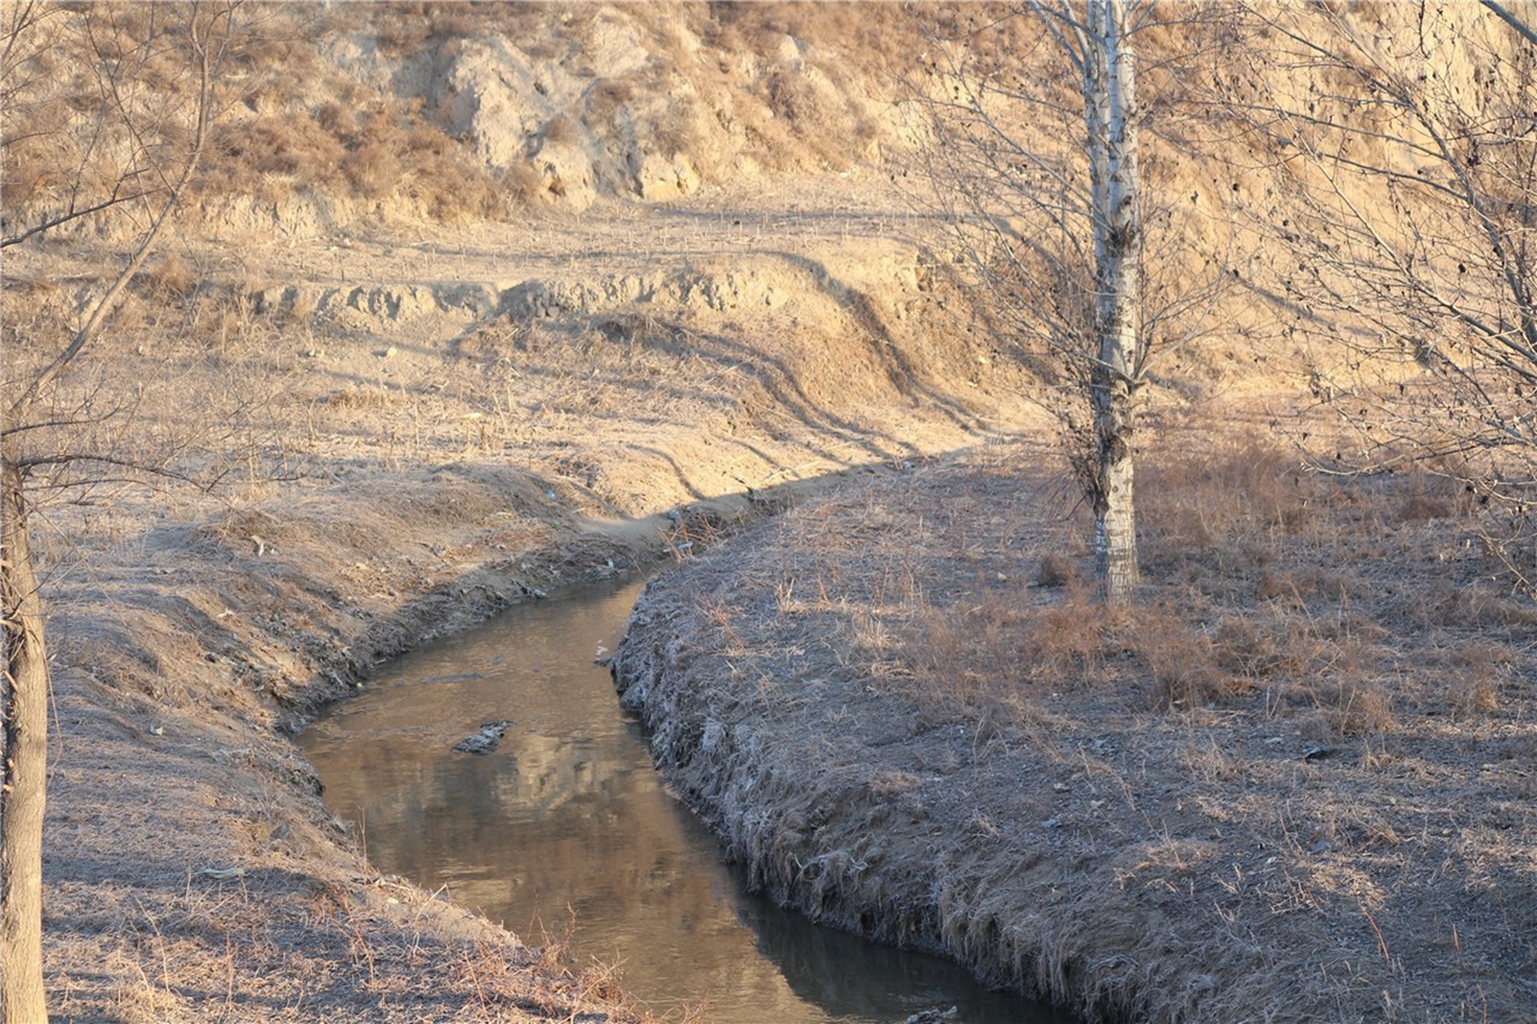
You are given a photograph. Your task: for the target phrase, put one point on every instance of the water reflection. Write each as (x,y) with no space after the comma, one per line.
(568,813)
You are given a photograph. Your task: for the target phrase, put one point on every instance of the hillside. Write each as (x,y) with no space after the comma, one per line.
(466,303)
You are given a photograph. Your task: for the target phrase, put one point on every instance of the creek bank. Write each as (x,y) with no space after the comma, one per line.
(830,810)
(179,808)
(846,696)
(570,813)
(186,847)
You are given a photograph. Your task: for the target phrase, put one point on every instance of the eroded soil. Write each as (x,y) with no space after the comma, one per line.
(402,468)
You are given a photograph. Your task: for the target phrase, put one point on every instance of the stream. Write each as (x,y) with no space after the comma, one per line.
(566,830)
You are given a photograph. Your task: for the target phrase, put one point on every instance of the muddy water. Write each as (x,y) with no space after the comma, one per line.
(566,820)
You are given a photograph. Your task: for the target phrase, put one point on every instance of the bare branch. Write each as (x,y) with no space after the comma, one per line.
(65,218)
(199,35)
(1503,13)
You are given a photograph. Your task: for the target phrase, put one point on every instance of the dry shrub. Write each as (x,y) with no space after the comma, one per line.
(1056,570)
(1206,761)
(1246,648)
(984,657)
(1479,607)
(338,119)
(167,279)
(1181,661)
(963,655)
(1353,705)
(1475,670)
(1239,504)
(1309,650)
(301,123)
(1065,641)
(1420,505)
(847,28)
(372,169)
(1279,588)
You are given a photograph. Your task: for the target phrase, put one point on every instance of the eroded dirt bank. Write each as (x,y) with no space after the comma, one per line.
(405,470)
(192,872)
(1288,787)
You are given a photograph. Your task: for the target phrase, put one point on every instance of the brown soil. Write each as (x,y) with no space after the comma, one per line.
(1295,784)
(408,466)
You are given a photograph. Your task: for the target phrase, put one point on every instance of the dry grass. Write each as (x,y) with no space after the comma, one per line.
(1293,751)
(1261,577)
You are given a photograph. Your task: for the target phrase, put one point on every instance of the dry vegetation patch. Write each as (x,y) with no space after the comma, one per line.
(1293,783)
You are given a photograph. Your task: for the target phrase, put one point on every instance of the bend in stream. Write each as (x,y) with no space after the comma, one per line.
(568,812)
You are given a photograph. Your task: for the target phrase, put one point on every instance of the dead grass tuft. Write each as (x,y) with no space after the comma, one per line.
(1056,570)
(1181,660)
(1476,671)
(168,279)
(1353,706)
(1235,506)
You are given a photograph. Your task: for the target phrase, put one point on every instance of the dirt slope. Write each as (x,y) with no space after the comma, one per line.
(445,458)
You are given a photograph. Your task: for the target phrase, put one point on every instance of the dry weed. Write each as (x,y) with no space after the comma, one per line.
(1181,660)
(1056,570)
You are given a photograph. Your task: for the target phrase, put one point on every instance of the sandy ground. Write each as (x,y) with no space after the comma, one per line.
(398,461)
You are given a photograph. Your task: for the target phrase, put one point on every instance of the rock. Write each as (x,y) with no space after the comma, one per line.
(935,1016)
(660,177)
(484,741)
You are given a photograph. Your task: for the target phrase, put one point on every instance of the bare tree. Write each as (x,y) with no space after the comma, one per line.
(150,155)
(1408,171)
(1036,149)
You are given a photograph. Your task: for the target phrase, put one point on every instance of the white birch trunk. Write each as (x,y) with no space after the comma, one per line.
(23,761)
(1109,91)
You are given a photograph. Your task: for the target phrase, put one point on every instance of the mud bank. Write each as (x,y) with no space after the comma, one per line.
(904,726)
(191,871)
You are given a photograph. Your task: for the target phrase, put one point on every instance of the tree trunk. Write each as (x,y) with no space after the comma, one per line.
(24,750)
(1110,103)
